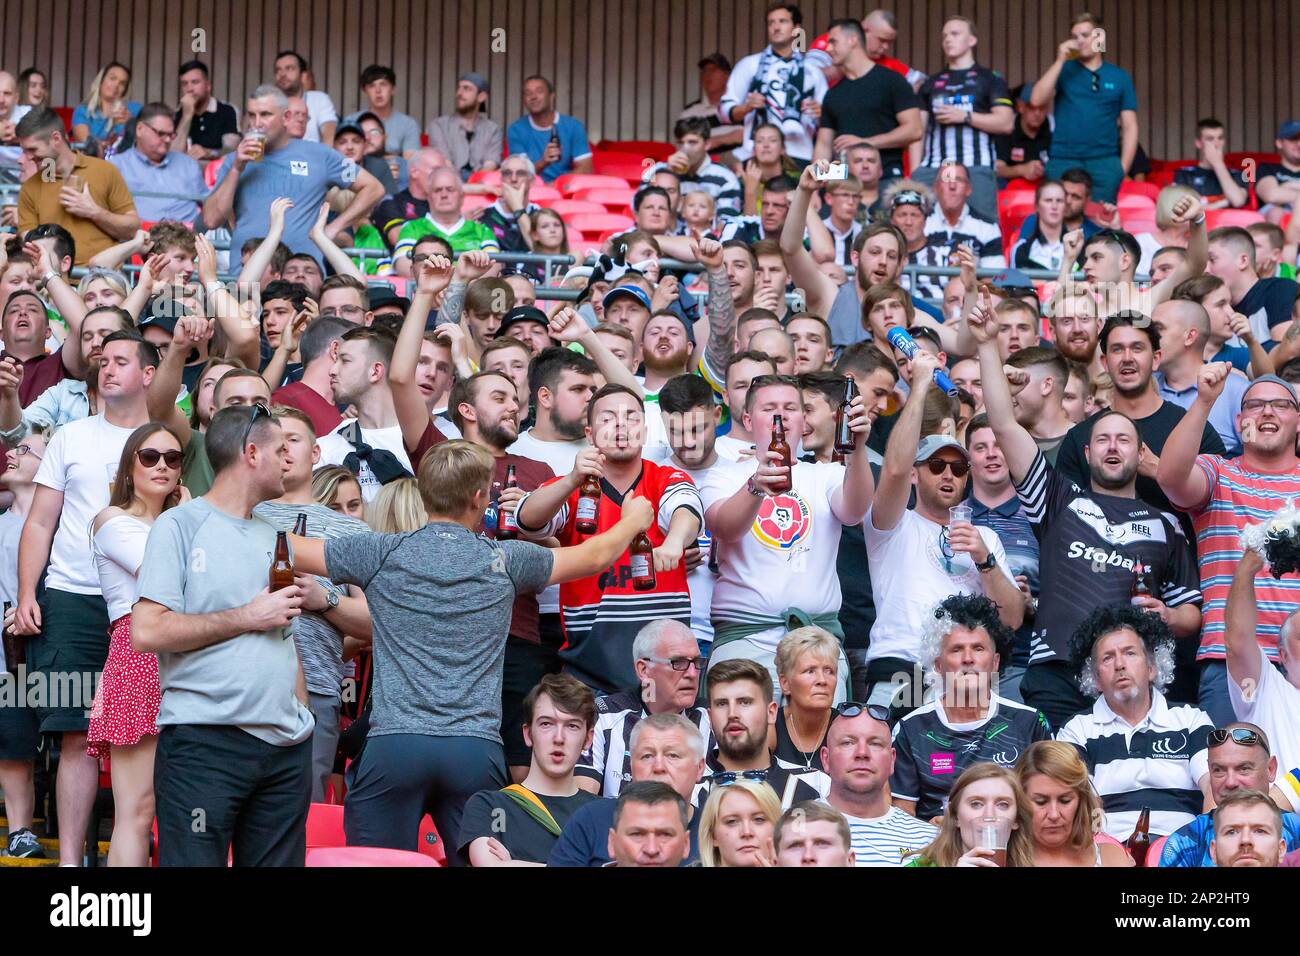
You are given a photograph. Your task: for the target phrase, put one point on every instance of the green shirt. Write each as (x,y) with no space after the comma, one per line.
(466,237)
(196,470)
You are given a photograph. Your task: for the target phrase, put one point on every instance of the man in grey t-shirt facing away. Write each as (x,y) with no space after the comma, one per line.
(232,771)
(440,601)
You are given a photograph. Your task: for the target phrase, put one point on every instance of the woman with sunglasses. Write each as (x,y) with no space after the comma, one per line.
(123,715)
(737,823)
(807,662)
(1065,810)
(986,793)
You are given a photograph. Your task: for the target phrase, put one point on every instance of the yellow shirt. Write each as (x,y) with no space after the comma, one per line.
(38,204)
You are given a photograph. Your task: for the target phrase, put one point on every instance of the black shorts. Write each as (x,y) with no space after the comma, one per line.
(525,664)
(68,659)
(20,735)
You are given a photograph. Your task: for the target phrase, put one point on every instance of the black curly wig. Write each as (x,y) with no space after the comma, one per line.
(972,611)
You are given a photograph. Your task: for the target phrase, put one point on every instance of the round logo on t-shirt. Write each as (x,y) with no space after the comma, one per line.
(783,521)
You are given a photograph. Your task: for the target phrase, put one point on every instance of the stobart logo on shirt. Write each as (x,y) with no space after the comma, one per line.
(783,521)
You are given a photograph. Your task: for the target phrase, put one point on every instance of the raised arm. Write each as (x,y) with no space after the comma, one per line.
(539,507)
(1184,483)
(600,551)
(335,256)
(70,306)
(367,190)
(115,255)
(819,237)
(1186,209)
(1240,617)
(432,276)
(1261,361)
(273,374)
(900,453)
(243,339)
(250,277)
(852,499)
(567,327)
(819,290)
(166,385)
(219,207)
(1045,89)
(721,309)
(1018,446)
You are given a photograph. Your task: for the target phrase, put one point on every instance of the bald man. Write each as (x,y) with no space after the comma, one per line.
(413,201)
(778,346)
(1184,326)
(10,113)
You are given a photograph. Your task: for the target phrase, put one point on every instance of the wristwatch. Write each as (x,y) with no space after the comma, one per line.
(988,565)
(45,279)
(331,599)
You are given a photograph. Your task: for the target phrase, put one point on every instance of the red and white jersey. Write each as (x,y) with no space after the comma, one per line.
(603,613)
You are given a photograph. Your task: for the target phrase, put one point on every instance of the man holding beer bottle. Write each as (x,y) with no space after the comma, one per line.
(235,727)
(776,524)
(603,613)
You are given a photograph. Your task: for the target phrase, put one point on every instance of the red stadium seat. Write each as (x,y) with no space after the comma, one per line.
(1235,160)
(1018,200)
(475,202)
(365,856)
(1133,202)
(492,177)
(614,200)
(325,825)
(65,114)
(543,194)
(598,223)
(574,182)
(1161,178)
(574,207)
(1019,184)
(1131,187)
(1231,217)
(623,165)
(210,172)
(1138,225)
(431,845)
(1154,851)
(641,147)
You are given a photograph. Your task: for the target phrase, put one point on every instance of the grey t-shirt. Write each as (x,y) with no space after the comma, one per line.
(320,643)
(440,601)
(200,560)
(845,319)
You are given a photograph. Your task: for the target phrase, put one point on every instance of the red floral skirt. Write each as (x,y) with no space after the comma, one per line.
(126,702)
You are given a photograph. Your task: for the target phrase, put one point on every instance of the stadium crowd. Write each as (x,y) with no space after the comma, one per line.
(869,492)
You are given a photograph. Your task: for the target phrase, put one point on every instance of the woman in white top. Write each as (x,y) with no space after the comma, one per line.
(124,714)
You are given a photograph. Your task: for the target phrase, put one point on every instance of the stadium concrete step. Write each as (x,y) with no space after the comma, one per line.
(50,844)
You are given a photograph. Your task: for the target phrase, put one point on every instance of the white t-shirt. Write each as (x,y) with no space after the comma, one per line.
(731,448)
(118,551)
(1275,708)
(559,455)
(81,461)
(788,557)
(334,448)
(890,840)
(320,109)
(701,580)
(909,576)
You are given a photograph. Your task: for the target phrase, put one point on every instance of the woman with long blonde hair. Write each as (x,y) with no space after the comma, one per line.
(103,121)
(737,823)
(397,508)
(983,792)
(1066,814)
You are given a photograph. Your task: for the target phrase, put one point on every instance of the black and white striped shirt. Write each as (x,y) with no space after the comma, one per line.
(792,783)
(716,180)
(975,89)
(1158,763)
(609,758)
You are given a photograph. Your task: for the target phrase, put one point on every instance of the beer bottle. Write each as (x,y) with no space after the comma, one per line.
(782,448)
(643,563)
(507,526)
(588,505)
(281,566)
(300,526)
(845,440)
(1139,588)
(1140,842)
(15,646)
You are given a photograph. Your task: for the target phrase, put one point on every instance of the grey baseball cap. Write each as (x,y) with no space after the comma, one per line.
(1290,389)
(479,80)
(933,443)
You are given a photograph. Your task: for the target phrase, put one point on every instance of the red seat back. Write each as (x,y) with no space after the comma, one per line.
(325,825)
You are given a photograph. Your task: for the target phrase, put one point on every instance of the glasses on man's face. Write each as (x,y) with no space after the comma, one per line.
(1278,405)
(681,663)
(22,450)
(162,133)
(851,709)
(258,410)
(959,468)
(1238,735)
(514,174)
(724,778)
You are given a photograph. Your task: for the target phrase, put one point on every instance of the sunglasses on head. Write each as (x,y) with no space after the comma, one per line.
(151,456)
(259,410)
(1238,735)
(851,709)
(959,468)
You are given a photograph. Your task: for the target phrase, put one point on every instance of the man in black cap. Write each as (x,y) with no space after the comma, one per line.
(467,137)
(715,69)
(386,303)
(528,324)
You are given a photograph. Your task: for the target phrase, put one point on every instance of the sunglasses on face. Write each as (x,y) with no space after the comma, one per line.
(149,457)
(725,778)
(259,410)
(959,468)
(851,709)
(1238,735)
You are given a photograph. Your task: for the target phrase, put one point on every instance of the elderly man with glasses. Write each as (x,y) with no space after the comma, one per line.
(668,668)
(165,184)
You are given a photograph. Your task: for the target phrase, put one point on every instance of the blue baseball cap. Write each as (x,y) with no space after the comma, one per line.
(628,290)
(1289,130)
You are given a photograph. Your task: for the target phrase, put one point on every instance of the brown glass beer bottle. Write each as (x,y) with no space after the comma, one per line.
(782,448)
(642,553)
(589,505)
(281,566)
